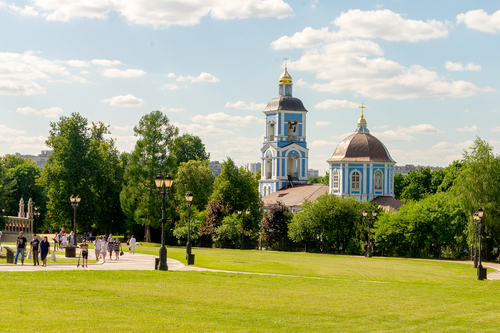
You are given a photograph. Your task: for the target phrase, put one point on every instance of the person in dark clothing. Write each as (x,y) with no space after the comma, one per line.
(34,250)
(20,247)
(44,250)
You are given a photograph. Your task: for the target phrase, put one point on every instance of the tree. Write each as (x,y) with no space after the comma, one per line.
(150,157)
(189,147)
(331,224)
(398,185)
(275,223)
(83,163)
(478,185)
(24,176)
(194,176)
(68,172)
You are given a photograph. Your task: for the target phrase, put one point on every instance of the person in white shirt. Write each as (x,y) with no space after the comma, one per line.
(104,249)
(131,244)
(97,247)
(64,240)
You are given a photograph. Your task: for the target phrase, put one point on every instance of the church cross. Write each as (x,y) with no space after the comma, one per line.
(286,59)
(362,107)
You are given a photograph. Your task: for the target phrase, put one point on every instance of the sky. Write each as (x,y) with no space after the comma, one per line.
(427,71)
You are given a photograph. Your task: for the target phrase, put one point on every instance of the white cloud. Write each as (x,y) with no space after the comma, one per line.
(21,72)
(402,134)
(162,14)
(300,82)
(170,86)
(480,20)
(381,127)
(322,123)
(489,89)
(124,101)
(336,104)
(246,106)
(77,63)
(165,109)
(23,143)
(322,144)
(388,25)
(7,130)
(105,62)
(203,77)
(378,78)
(127,73)
(84,72)
(52,112)
(171,75)
(495,129)
(306,38)
(242,145)
(26,11)
(114,128)
(443,151)
(457,66)
(472,128)
(221,118)
(421,129)
(200,130)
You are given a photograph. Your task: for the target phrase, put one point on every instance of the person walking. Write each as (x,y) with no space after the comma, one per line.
(131,244)
(97,247)
(72,239)
(85,253)
(20,247)
(117,246)
(64,240)
(34,250)
(56,241)
(44,250)
(111,240)
(60,239)
(104,249)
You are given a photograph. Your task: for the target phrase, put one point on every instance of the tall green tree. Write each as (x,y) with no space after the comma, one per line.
(275,223)
(151,156)
(478,185)
(189,147)
(194,176)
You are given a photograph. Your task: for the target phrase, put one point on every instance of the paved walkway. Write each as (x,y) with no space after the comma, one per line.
(140,261)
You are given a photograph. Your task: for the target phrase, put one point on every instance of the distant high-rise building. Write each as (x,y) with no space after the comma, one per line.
(405,169)
(215,167)
(254,167)
(39,159)
(313,173)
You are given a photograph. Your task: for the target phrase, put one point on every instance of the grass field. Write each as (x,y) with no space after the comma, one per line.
(322,293)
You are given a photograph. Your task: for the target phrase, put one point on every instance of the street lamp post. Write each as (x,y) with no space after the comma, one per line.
(163,185)
(478,220)
(475,239)
(37,215)
(189,256)
(74,202)
(369,220)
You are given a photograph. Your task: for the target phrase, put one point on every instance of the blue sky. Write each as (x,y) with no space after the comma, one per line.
(427,71)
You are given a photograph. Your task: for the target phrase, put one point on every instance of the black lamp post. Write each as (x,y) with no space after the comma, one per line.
(369,220)
(37,215)
(478,221)
(74,202)
(189,256)
(475,239)
(163,185)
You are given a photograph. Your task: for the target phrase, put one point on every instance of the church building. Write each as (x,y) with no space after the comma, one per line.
(360,167)
(284,153)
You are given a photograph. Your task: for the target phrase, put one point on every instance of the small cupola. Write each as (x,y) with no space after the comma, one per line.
(285,82)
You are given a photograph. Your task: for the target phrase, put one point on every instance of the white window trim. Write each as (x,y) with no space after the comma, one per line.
(351,182)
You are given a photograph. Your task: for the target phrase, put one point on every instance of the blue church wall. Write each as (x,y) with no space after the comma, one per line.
(303,168)
(283,167)
(300,130)
(293,117)
(278,165)
(278,123)
(282,144)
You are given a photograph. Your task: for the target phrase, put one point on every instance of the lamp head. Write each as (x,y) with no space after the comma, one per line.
(168,181)
(374,213)
(72,198)
(159,181)
(247,212)
(365,213)
(476,217)
(189,197)
(239,212)
(78,198)
(480,212)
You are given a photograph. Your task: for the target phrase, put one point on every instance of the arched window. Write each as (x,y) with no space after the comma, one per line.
(379,180)
(281,90)
(270,130)
(288,88)
(391,181)
(356,181)
(269,168)
(293,130)
(335,179)
(293,166)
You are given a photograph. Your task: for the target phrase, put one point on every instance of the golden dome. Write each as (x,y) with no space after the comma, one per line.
(285,78)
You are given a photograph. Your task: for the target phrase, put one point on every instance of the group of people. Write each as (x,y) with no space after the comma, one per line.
(61,239)
(36,246)
(102,245)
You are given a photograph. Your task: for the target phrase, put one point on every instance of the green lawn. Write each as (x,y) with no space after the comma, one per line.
(323,293)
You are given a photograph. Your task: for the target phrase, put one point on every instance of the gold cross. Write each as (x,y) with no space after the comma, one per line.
(285,58)
(362,107)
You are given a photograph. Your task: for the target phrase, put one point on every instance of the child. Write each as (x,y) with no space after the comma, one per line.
(97,247)
(104,249)
(85,253)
